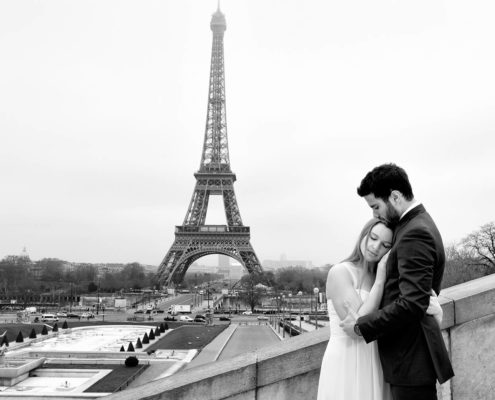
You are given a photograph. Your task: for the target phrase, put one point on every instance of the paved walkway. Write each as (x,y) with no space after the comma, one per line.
(248,338)
(213,349)
(156,371)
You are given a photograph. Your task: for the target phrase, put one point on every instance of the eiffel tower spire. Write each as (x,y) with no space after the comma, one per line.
(215,155)
(194,239)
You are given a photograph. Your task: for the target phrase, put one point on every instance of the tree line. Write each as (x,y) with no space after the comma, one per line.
(472,257)
(17,277)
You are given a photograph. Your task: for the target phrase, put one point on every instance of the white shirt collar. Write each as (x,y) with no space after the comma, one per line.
(413,204)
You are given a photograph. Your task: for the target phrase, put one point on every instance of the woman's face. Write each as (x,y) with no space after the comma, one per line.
(376,243)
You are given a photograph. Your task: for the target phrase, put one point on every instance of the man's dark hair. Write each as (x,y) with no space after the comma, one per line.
(381,180)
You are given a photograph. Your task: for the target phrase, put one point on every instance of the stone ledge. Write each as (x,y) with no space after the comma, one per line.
(448,308)
(290,358)
(471,300)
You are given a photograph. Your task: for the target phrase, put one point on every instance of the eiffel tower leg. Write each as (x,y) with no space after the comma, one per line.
(169,264)
(250,261)
(175,264)
(231,208)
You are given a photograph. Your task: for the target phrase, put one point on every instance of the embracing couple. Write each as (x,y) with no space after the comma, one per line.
(385,339)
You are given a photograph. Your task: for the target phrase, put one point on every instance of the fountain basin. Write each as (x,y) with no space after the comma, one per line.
(13,371)
(44,383)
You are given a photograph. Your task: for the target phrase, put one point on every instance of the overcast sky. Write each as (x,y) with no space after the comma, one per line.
(103,109)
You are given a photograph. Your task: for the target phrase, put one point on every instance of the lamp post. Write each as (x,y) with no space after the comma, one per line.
(70,302)
(290,314)
(283,316)
(208,295)
(299,294)
(316,291)
(98,299)
(272,314)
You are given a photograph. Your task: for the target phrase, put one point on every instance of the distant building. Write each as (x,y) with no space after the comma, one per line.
(150,268)
(284,263)
(202,269)
(223,261)
(24,254)
(235,271)
(118,267)
(34,270)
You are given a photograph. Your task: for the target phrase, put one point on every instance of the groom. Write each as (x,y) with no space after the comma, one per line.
(411,347)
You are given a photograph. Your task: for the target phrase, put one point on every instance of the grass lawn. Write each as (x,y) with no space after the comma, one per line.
(188,337)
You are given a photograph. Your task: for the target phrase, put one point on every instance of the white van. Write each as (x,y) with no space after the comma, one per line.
(49,318)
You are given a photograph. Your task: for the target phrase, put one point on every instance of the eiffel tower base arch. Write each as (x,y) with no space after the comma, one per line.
(206,240)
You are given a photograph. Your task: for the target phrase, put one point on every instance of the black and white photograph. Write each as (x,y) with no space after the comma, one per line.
(229,199)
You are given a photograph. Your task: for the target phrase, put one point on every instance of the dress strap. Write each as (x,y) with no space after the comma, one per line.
(350,267)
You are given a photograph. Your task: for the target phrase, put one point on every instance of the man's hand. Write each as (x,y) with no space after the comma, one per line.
(347,324)
(434,308)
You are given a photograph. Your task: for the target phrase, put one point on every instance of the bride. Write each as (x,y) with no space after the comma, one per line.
(351,369)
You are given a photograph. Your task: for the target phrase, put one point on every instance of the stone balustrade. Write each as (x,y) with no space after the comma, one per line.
(290,369)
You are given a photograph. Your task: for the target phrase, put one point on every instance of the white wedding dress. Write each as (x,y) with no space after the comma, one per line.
(351,369)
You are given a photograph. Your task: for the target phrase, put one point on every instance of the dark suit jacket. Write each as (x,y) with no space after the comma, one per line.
(410,343)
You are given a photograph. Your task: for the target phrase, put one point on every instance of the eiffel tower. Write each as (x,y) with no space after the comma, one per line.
(194,239)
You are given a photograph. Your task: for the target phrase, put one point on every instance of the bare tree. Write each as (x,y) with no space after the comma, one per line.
(251,292)
(481,245)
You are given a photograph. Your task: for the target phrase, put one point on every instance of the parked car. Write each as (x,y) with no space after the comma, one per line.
(87,315)
(62,315)
(138,312)
(199,318)
(262,317)
(223,318)
(185,318)
(247,312)
(49,318)
(72,315)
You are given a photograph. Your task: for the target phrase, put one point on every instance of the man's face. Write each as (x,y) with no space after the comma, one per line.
(383,210)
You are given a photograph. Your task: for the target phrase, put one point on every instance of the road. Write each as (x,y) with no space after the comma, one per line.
(116,316)
(248,338)
(180,299)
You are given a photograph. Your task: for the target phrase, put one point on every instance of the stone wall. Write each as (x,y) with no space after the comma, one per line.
(470,325)
(290,370)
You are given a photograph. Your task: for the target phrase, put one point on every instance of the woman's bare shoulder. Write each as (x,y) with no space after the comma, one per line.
(339,280)
(340,270)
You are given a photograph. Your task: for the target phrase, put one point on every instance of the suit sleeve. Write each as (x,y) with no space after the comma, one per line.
(415,258)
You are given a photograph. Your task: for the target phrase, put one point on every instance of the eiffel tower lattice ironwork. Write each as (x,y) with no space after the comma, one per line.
(194,239)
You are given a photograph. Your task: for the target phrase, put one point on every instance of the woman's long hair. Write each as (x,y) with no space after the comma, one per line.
(357,256)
